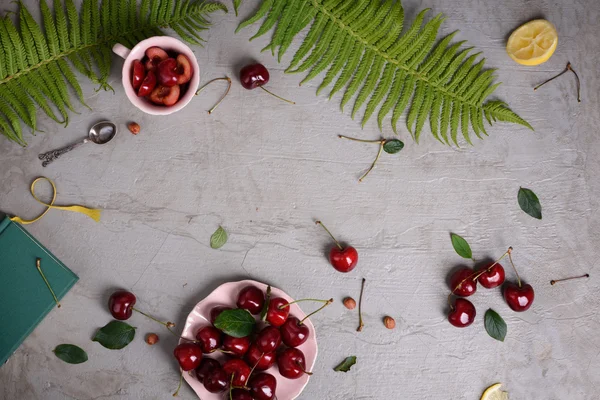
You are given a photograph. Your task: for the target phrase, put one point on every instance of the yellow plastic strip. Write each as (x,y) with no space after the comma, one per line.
(93,213)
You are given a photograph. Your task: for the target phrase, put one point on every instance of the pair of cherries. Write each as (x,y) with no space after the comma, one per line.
(518,296)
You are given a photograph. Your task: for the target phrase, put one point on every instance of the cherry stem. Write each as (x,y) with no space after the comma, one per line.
(279,97)
(328,302)
(515,268)
(302,369)
(281,307)
(568,68)
(554,281)
(374,162)
(180,382)
(361,140)
(360,319)
(231,386)
(38,265)
(255,365)
(168,325)
(333,237)
(223,97)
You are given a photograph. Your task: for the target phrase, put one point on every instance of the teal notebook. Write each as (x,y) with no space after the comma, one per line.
(24,297)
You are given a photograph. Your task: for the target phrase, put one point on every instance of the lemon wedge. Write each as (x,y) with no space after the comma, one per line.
(532,43)
(494,393)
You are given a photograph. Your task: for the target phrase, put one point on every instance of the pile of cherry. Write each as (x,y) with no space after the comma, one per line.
(243,373)
(463,283)
(161,77)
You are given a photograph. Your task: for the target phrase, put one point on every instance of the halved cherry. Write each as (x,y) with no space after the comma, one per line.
(148,84)
(184,69)
(138,73)
(155,56)
(163,95)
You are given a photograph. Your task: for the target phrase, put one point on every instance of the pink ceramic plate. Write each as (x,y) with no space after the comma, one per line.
(226,295)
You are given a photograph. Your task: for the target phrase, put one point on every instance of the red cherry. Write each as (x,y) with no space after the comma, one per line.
(164,95)
(277,314)
(466,288)
(263,361)
(268,339)
(239,394)
(155,56)
(518,298)
(492,277)
(188,355)
(463,313)
(343,260)
(252,299)
(216,380)
(148,84)
(184,69)
(263,386)
(138,73)
(253,76)
(293,333)
(291,363)
(167,72)
(237,346)
(206,365)
(121,304)
(209,339)
(239,369)
(215,311)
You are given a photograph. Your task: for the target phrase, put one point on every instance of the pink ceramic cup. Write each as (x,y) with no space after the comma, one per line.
(137,53)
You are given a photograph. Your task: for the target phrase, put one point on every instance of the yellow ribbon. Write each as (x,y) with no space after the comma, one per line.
(90,212)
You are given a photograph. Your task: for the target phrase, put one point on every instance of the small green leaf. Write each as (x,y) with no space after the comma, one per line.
(265,309)
(495,325)
(237,323)
(236,5)
(393,146)
(115,335)
(346,364)
(219,238)
(530,203)
(70,353)
(461,246)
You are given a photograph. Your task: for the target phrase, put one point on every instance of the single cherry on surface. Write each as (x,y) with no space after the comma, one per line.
(256,76)
(216,380)
(462,313)
(293,332)
(278,311)
(263,386)
(121,304)
(343,259)
(518,298)
(259,360)
(216,311)
(209,339)
(237,346)
(189,355)
(239,394)
(492,275)
(463,282)
(138,73)
(206,365)
(239,370)
(252,299)
(292,363)
(268,339)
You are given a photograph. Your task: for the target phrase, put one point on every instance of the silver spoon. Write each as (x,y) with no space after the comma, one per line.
(100,133)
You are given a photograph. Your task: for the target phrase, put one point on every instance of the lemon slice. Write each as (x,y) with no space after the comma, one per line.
(532,43)
(494,393)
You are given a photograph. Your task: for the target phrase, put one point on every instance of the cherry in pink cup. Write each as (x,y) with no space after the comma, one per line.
(168,44)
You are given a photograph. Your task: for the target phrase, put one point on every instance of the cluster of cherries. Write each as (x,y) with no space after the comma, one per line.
(463,283)
(161,77)
(251,353)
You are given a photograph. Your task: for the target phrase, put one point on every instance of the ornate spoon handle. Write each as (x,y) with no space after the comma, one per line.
(50,156)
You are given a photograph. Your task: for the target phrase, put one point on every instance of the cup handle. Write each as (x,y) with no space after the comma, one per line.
(121,50)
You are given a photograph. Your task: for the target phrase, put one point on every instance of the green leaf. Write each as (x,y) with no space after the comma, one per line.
(219,238)
(530,203)
(115,335)
(236,5)
(265,309)
(461,246)
(70,353)
(393,146)
(237,323)
(495,325)
(345,365)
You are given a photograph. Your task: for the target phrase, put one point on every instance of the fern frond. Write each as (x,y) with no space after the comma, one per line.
(362,46)
(36,64)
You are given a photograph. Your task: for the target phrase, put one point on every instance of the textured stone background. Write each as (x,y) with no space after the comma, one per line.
(266,170)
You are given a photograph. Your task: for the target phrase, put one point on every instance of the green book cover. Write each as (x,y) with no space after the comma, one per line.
(24,297)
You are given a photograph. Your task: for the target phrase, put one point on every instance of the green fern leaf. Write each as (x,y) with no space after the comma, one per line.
(236,6)
(362,46)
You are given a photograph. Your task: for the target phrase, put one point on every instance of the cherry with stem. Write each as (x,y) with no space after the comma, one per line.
(390,146)
(222,97)
(342,259)
(361,324)
(555,281)
(567,69)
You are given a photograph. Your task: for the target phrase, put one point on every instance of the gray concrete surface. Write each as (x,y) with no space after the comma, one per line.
(266,170)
